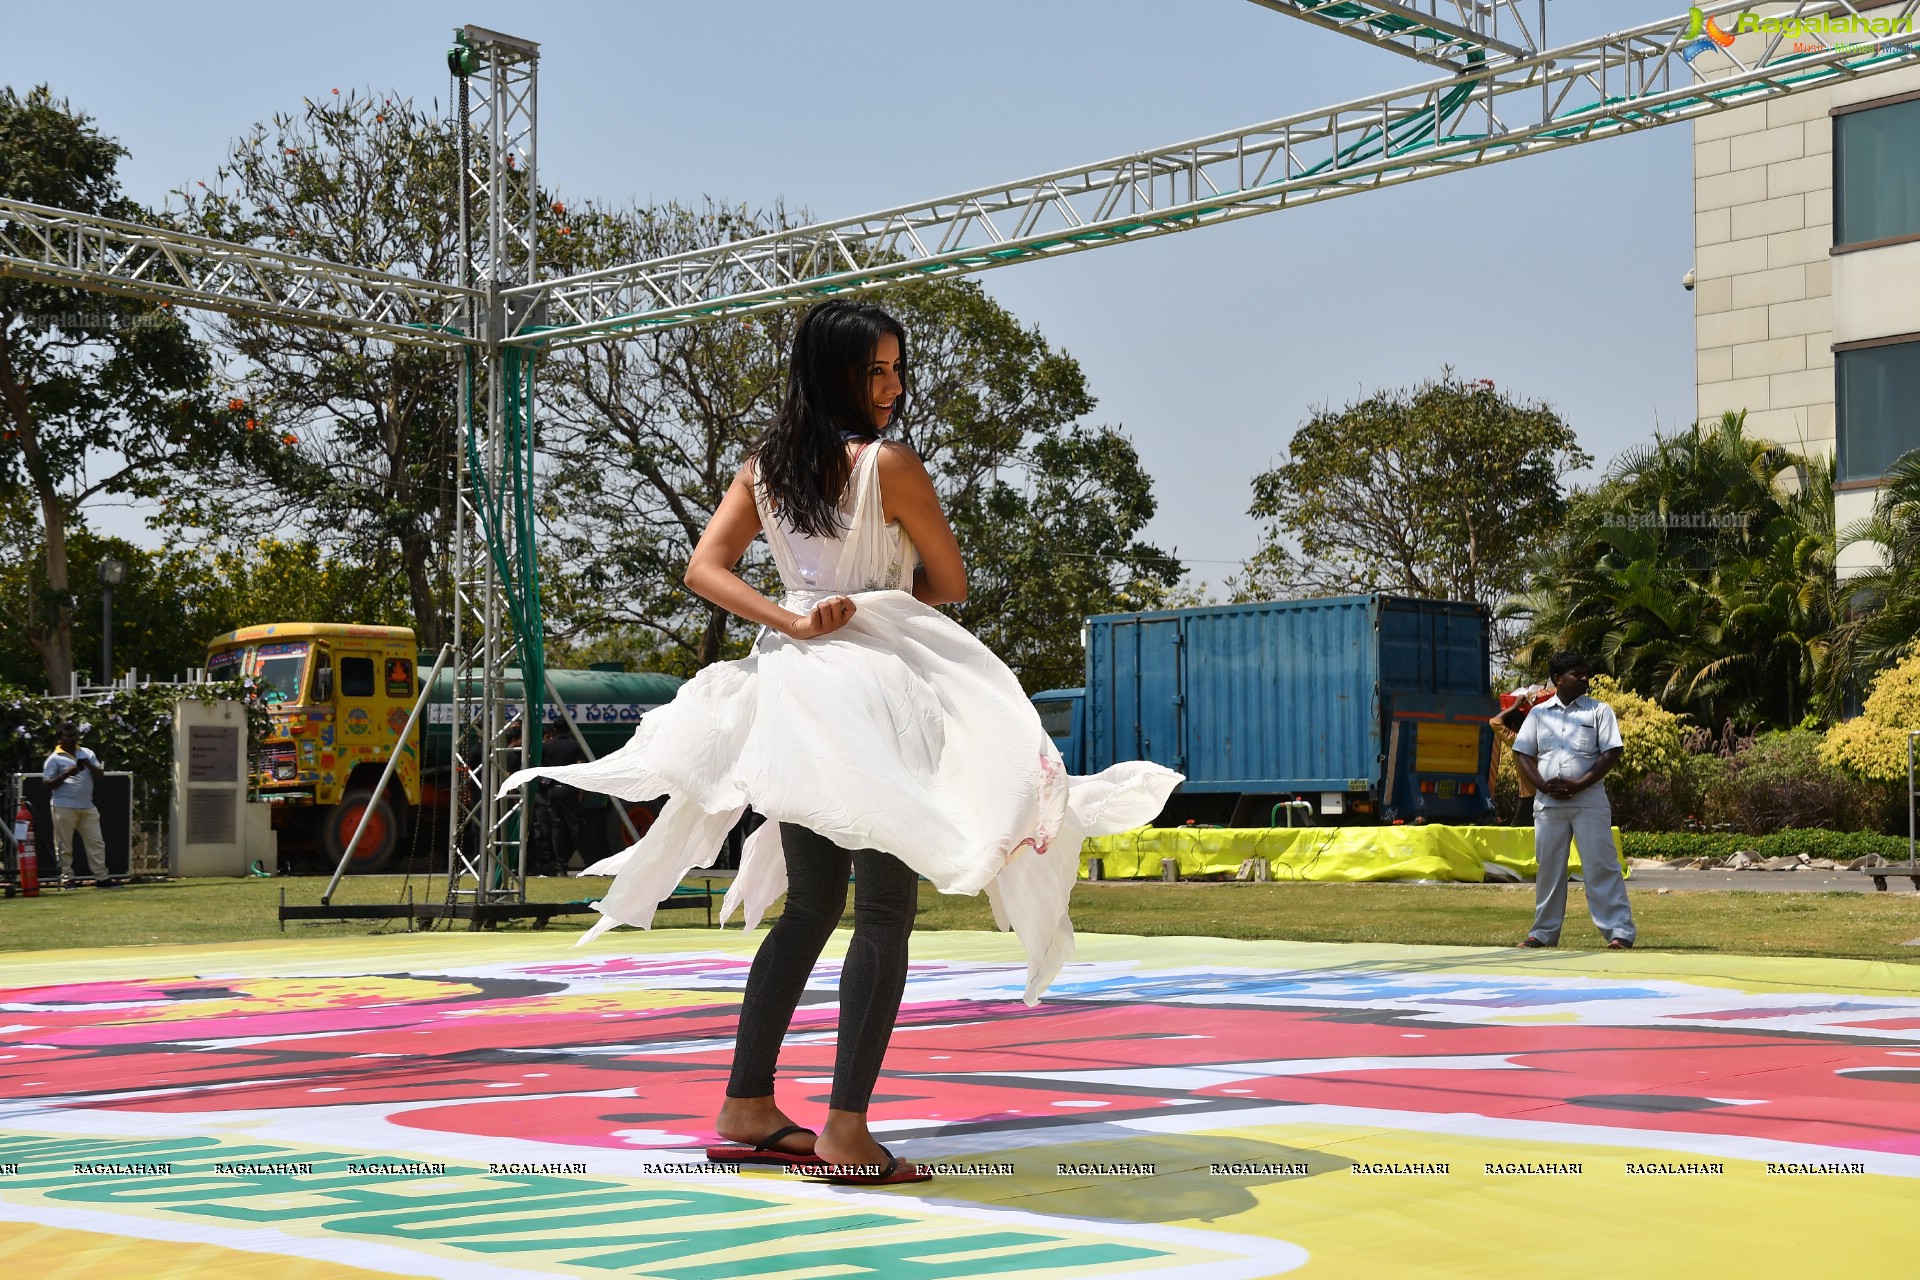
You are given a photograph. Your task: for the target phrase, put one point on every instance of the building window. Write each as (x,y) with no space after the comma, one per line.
(1876,174)
(1877,409)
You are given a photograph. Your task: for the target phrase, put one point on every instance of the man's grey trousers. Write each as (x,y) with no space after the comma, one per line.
(1587,819)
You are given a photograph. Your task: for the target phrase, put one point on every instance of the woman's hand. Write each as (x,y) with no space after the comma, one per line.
(825,618)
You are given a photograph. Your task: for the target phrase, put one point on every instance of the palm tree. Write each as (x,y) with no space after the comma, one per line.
(1880,615)
(1699,570)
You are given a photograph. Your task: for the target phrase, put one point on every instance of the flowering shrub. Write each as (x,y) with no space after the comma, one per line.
(1873,745)
(1672,777)
(1649,732)
(131,730)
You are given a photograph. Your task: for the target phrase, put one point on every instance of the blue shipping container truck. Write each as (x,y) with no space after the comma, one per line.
(1366,708)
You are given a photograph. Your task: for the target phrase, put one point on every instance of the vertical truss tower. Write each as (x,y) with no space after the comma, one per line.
(499,669)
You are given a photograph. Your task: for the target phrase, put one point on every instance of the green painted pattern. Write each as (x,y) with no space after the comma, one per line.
(595,1222)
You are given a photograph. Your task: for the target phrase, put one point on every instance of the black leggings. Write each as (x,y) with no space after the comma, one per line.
(871,980)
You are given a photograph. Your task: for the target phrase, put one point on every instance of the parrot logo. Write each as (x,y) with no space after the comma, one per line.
(1703,33)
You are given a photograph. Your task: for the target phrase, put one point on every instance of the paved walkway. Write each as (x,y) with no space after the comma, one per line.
(1766,881)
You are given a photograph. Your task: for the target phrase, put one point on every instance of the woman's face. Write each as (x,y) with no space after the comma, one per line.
(883,380)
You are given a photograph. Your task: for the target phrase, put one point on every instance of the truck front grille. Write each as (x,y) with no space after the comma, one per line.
(277,763)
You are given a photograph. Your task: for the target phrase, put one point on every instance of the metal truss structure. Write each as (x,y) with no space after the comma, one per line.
(1505,95)
(54,246)
(1497,110)
(498,637)
(1446,33)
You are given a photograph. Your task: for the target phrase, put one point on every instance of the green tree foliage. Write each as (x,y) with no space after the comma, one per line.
(1699,572)
(1441,492)
(100,396)
(175,600)
(644,438)
(154,613)
(1047,508)
(281,581)
(1880,620)
(371,426)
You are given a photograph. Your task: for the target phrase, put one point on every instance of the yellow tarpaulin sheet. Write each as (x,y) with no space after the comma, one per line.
(1321,853)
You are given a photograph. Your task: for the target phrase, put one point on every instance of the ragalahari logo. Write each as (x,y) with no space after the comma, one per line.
(1703,33)
(1810,34)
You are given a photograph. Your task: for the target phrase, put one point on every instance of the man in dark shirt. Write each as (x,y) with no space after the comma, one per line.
(562,820)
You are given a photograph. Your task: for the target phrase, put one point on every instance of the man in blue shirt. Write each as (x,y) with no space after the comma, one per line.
(1567,745)
(71,772)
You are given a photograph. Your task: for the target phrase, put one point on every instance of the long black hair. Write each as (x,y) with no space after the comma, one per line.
(802,459)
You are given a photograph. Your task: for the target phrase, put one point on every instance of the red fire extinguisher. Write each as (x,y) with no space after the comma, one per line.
(24,852)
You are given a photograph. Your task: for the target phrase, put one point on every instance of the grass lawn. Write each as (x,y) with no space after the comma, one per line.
(1866,926)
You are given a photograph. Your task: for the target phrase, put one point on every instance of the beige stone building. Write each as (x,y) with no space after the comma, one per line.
(1807,274)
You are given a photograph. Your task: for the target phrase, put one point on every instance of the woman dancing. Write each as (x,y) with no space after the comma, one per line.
(871,731)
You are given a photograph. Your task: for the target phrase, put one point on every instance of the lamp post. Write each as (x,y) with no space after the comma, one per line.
(112,572)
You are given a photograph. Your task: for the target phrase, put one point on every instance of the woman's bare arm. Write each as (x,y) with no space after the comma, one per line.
(710,570)
(906,495)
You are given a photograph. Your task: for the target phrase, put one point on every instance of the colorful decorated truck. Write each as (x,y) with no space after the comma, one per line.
(338,696)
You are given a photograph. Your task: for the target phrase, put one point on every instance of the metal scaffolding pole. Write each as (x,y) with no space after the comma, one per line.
(497,625)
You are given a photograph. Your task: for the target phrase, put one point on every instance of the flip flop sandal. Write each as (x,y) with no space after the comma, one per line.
(895,1173)
(764,1151)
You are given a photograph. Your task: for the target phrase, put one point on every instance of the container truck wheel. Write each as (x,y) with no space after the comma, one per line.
(377,846)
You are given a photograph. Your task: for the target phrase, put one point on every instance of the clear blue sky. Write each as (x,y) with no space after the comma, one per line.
(1557,275)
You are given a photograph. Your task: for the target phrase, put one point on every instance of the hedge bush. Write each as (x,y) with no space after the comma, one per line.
(1775,782)
(1682,844)
(1793,783)
(131,730)
(1841,846)
(1669,800)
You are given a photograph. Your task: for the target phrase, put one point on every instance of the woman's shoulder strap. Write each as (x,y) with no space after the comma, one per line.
(864,484)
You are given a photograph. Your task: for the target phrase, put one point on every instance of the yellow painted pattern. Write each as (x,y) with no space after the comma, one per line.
(53,1253)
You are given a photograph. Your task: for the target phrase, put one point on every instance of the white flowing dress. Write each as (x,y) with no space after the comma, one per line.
(898,732)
